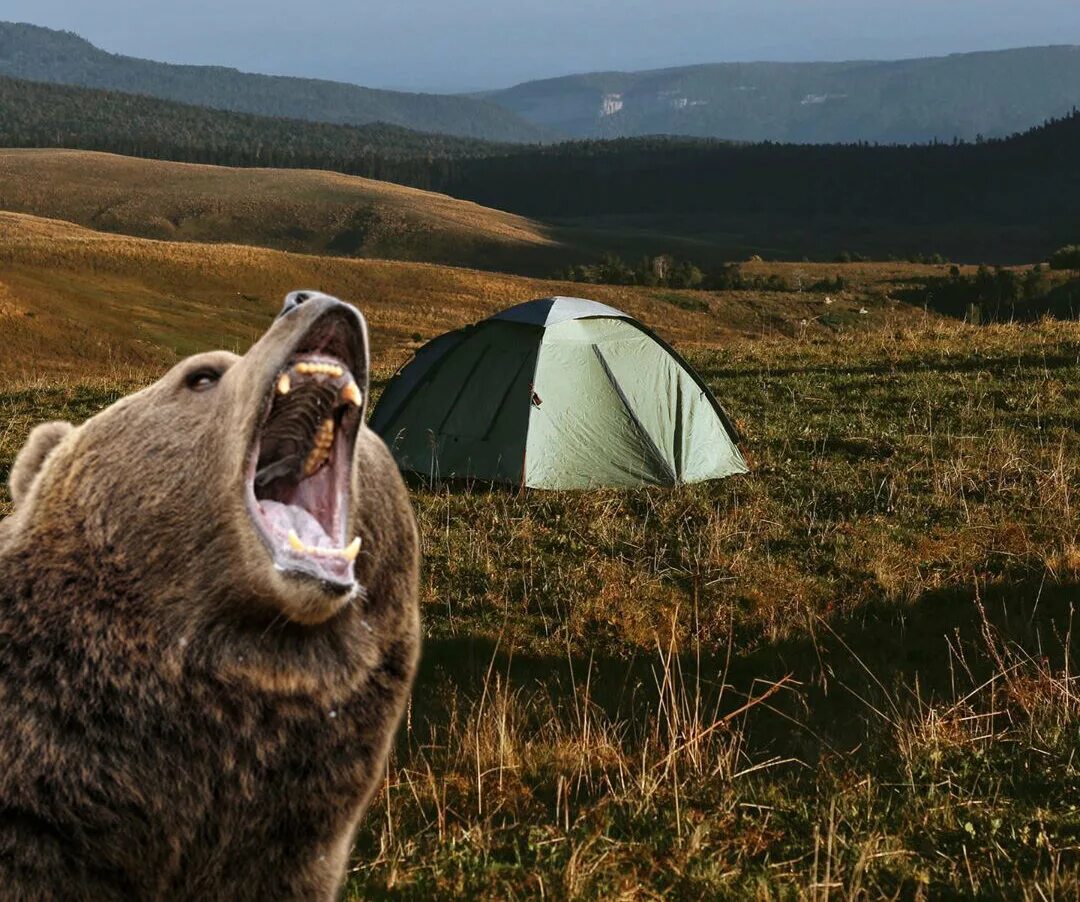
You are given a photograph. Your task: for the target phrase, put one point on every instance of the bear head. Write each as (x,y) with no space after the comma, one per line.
(230,479)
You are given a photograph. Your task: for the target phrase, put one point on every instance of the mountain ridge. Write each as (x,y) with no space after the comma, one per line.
(986,93)
(34,53)
(989,93)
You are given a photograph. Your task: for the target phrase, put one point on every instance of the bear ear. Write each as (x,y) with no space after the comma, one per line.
(28,461)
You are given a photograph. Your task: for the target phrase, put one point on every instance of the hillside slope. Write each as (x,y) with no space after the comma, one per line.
(914,100)
(43,54)
(309,211)
(76,301)
(299,210)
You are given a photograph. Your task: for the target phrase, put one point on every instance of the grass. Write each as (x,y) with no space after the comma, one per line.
(76,302)
(849,674)
(296,210)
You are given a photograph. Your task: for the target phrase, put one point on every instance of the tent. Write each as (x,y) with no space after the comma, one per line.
(556,393)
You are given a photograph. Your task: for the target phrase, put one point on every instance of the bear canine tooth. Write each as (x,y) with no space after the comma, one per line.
(284,384)
(349,552)
(351,393)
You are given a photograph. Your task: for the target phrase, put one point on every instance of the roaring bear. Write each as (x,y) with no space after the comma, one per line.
(208,628)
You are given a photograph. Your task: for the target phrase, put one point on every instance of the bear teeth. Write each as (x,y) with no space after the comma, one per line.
(351,393)
(320,452)
(308,368)
(349,552)
(284,383)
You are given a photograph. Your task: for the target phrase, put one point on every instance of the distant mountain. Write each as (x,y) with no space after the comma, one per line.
(917,100)
(39,114)
(42,54)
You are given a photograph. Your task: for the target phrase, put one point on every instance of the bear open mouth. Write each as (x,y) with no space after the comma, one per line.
(302,460)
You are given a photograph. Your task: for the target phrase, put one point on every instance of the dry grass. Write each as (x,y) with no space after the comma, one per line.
(297,210)
(74,300)
(848,675)
(902,564)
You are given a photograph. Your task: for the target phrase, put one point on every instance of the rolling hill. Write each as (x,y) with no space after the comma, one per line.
(914,100)
(78,301)
(306,211)
(43,54)
(298,210)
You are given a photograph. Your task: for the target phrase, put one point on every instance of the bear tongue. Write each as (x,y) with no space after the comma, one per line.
(283,517)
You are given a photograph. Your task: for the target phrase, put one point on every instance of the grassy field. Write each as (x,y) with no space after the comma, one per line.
(848,674)
(88,303)
(296,210)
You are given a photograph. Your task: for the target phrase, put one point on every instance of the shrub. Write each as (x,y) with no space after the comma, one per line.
(1067,257)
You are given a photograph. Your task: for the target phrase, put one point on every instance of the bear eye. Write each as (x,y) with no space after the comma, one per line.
(203,378)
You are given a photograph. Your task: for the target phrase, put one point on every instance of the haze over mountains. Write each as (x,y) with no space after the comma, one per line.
(964,95)
(991,94)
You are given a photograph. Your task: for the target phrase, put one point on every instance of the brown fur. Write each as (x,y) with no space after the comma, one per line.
(178,720)
(39,444)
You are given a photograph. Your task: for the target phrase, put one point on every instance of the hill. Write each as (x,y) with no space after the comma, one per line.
(38,114)
(309,211)
(43,54)
(74,300)
(962,95)
(299,210)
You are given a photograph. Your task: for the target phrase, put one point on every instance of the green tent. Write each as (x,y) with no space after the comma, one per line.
(557,393)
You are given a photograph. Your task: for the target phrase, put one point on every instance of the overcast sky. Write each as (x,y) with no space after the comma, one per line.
(456,45)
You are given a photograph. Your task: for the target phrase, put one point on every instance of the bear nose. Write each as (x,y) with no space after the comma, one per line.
(294,299)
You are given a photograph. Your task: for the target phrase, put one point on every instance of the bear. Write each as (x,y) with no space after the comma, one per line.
(209,628)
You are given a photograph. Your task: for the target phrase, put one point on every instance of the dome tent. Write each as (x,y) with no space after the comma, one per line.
(557,393)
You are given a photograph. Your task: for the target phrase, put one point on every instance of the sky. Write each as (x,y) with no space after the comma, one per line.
(466,45)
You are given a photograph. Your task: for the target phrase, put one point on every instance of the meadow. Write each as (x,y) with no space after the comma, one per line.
(848,674)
